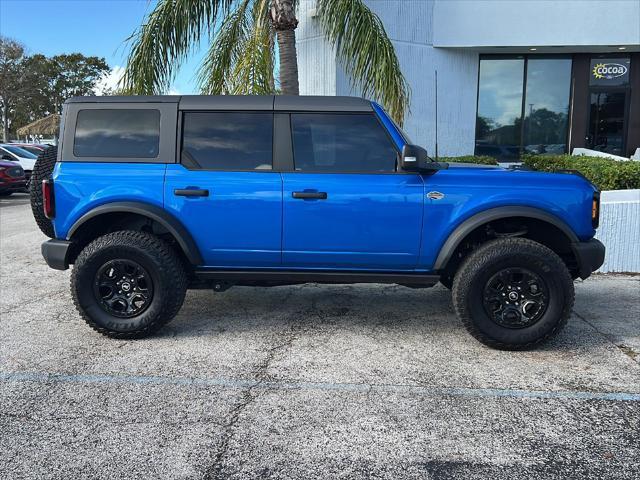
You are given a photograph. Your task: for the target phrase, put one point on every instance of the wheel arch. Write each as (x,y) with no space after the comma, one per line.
(470,225)
(156,214)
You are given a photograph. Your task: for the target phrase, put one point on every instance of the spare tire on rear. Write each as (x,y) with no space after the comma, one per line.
(42,170)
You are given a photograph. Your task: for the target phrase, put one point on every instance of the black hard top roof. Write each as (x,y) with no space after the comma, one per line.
(242,102)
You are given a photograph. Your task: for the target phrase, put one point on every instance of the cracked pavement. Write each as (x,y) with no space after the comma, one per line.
(312,381)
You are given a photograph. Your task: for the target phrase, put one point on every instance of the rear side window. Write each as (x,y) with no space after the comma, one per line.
(341,143)
(227,141)
(117,133)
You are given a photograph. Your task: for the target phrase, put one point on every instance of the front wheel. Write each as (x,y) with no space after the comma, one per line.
(513,294)
(128,284)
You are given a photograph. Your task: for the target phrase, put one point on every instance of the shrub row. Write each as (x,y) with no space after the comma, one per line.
(605,173)
(470,159)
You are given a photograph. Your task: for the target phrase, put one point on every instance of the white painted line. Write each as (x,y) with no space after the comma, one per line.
(284,385)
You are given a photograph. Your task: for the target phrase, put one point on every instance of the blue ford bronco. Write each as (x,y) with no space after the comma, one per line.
(150,196)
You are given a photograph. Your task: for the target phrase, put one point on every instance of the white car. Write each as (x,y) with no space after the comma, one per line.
(19,155)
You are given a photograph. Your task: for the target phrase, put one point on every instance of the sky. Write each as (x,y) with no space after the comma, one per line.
(91,27)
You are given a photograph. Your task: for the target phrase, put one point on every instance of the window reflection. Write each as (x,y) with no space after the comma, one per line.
(498,125)
(606,122)
(547,105)
(500,130)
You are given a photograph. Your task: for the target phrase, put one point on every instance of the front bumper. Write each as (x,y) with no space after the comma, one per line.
(56,253)
(13,186)
(589,256)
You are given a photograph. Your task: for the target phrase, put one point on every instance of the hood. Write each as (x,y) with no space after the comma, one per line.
(7,164)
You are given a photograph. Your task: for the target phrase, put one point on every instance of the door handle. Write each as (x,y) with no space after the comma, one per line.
(310,195)
(191,192)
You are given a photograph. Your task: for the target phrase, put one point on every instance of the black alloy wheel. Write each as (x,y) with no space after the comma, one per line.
(123,288)
(515,298)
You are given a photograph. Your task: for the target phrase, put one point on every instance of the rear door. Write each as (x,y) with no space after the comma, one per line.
(345,205)
(224,189)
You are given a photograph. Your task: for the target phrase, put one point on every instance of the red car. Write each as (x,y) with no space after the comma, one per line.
(12,178)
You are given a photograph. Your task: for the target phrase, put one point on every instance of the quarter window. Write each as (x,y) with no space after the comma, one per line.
(341,143)
(117,133)
(227,141)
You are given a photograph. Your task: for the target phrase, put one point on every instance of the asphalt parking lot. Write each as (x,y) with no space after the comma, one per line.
(365,381)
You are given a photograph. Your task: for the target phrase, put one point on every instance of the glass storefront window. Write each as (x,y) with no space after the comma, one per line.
(546,106)
(499,122)
(510,89)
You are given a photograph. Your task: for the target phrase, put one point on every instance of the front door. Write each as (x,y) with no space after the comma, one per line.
(225,191)
(607,113)
(344,205)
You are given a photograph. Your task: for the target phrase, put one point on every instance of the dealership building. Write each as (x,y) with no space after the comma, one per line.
(514,76)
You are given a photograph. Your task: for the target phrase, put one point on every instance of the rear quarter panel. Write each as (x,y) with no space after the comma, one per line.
(81,187)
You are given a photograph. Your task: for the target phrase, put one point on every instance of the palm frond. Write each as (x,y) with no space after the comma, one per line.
(214,76)
(161,44)
(365,50)
(253,70)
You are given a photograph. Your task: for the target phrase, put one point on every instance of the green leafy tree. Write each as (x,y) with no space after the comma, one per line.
(32,87)
(245,37)
(12,82)
(73,75)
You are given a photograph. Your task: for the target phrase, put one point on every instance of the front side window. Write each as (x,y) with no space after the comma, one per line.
(227,141)
(119,133)
(341,143)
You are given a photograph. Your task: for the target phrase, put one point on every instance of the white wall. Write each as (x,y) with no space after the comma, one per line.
(620,230)
(491,23)
(409,25)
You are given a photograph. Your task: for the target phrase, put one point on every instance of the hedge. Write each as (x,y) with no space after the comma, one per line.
(470,159)
(605,173)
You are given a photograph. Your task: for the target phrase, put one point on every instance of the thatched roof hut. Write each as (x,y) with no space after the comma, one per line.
(45,126)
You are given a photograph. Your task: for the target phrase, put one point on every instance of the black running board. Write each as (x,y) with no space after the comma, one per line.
(296,276)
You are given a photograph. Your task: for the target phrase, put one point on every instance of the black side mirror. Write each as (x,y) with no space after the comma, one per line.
(415,159)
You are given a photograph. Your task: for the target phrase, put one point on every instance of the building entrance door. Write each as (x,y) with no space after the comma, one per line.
(607,121)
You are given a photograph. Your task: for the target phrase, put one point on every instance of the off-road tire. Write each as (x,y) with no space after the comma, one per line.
(446,281)
(160,261)
(475,271)
(41,171)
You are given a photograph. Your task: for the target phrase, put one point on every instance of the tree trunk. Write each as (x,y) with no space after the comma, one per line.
(5,121)
(283,18)
(288,62)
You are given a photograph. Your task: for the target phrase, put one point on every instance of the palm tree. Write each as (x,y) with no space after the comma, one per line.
(241,56)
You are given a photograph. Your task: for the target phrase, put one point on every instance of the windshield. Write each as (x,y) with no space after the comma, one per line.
(20,152)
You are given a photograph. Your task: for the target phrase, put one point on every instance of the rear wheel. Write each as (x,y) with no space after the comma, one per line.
(128,284)
(42,170)
(513,294)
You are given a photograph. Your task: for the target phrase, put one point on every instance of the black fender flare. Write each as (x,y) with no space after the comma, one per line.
(479,219)
(157,214)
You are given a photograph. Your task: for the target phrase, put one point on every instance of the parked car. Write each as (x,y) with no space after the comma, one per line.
(12,178)
(19,155)
(35,148)
(150,196)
